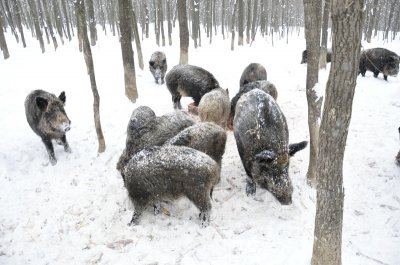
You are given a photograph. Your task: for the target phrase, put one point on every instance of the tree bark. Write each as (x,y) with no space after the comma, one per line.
(169,18)
(347,32)
(233,24)
(64,8)
(124,7)
(183,32)
(240,21)
(49,24)
(324,37)
(312,21)
(80,11)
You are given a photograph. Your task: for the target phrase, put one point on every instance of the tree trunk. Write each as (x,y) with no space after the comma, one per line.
(223,19)
(18,21)
(324,38)
(195,21)
(390,18)
(183,32)
(3,43)
(35,17)
(49,24)
(235,6)
(248,21)
(124,7)
(80,11)
(59,24)
(169,22)
(137,39)
(240,21)
(347,31)
(161,21)
(64,8)
(312,16)
(92,22)
(254,21)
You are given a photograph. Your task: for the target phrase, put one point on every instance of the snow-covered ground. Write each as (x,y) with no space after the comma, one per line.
(77,211)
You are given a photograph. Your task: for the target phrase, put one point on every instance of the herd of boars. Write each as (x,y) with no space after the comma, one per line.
(171,156)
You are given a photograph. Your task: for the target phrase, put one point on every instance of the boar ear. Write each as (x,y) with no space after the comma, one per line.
(41,103)
(266,156)
(227,91)
(294,148)
(62,97)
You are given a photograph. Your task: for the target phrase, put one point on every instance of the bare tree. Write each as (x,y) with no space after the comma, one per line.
(235,7)
(183,32)
(49,24)
(240,21)
(312,15)
(92,22)
(324,38)
(137,39)
(82,29)
(35,17)
(125,7)
(347,31)
(3,43)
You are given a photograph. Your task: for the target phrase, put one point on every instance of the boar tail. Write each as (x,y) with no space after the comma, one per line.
(294,148)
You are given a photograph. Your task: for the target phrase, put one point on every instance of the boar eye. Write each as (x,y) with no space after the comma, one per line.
(151,63)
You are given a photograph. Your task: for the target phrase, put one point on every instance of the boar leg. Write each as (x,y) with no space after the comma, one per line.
(385,77)
(250,187)
(139,208)
(202,201)
(65,144)
(176,99)
(50,151)
(376,73)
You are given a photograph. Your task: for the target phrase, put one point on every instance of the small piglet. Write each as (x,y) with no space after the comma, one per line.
(166,173)
(46,115)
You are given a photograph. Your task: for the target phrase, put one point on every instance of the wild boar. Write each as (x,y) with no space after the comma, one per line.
(215,106)
(379,60)
(262,136)
(304,56)
(158,66)
(46,116)
(167,173)
(145,129)
(264,85)
(206,137)
(189,81)
(253,72)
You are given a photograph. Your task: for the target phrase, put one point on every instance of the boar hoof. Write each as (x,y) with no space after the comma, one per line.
(68,149)
(53,161)
(250,188)
(205,219)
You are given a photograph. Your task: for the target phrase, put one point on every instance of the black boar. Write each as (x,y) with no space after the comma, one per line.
(166,173)
(46,116)
(214,107)
(205,137)
(262,135)
(253,72)
(379,60)
(264,85)
(328,56)
(189,81)
(158,66)
(147,130)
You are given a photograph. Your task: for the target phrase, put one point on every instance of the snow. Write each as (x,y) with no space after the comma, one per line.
(77,211)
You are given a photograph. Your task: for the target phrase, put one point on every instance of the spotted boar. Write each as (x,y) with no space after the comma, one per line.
(215,107)
(189,81)
(46,116)
(253,72)
(262,136)
(379,60)
(206,137)
(167,173)
(264,85)
(158,66)
(145,129)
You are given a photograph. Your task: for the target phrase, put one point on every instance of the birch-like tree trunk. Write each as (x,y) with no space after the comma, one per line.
(347,31)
